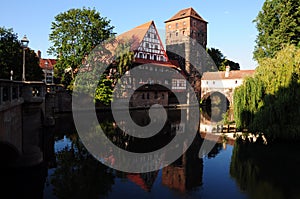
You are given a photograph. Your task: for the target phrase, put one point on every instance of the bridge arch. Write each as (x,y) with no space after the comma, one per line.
(8,153)
(215,105)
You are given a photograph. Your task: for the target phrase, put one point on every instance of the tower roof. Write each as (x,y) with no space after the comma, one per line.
(188,12)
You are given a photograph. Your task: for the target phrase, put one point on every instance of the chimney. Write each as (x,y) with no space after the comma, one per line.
(227,71)
(39,54)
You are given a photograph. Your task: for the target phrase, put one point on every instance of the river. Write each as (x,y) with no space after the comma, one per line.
(227,171)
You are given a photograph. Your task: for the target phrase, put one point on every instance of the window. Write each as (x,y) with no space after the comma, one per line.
(236,81)
(154,57)
(176,25)
(155,37)
(143,96)
(194,23)
(148,96)
(183,32)
(176,34)
(156,47)
(141,55)
(162,96)
(148,56)
(147,45)
(155,95)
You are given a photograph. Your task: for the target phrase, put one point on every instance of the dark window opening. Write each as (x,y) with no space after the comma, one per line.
(155,95)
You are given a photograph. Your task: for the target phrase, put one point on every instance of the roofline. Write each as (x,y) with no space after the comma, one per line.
(169,20)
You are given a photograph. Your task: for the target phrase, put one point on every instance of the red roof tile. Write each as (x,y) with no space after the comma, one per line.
(234,74)
(135,35)
(188,12)
(51,63)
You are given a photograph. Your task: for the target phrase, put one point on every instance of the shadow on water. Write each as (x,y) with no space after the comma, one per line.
(267,171)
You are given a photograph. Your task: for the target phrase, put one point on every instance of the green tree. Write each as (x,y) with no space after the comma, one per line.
(277,23)
(75,33)
(11,58)
(221,61)
(269,102)
(216,55)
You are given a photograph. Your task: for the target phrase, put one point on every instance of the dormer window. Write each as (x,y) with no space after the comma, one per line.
(141,55)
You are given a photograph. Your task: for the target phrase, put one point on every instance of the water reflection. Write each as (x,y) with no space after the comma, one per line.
(74,173)
(78,174)
(267,171)
(186,172)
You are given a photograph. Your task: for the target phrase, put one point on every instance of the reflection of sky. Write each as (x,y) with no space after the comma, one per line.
(61,144)
(217,182)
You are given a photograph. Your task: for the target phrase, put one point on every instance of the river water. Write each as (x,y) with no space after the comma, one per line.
(227,171)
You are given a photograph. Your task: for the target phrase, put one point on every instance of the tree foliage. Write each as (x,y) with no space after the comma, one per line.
(11,58)
(75,33)
(269,102)
(277,23)
(221,61)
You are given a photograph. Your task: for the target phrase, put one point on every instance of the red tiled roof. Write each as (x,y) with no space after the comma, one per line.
(51,63)
(188,12)
(234,74)
(135,35)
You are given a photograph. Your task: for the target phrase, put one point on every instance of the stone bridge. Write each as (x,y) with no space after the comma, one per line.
(22,114)
(217,89)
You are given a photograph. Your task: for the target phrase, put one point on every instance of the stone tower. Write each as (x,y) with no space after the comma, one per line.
(186,22)
(184,32)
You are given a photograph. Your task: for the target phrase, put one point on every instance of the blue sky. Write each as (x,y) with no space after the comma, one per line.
(230,26)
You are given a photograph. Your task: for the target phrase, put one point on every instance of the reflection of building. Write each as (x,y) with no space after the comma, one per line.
(47,65)
(186,172)
(143,180)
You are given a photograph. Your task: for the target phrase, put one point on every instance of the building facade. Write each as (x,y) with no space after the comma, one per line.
(154,78)
(186,40)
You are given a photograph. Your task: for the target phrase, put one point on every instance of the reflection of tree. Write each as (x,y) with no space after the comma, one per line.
(262,173)
(215,150)
(79,175)
(216,106)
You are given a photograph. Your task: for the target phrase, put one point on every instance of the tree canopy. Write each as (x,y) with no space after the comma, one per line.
(277,23)
(221,61)
(75,33)
(269,102)
(11,58)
